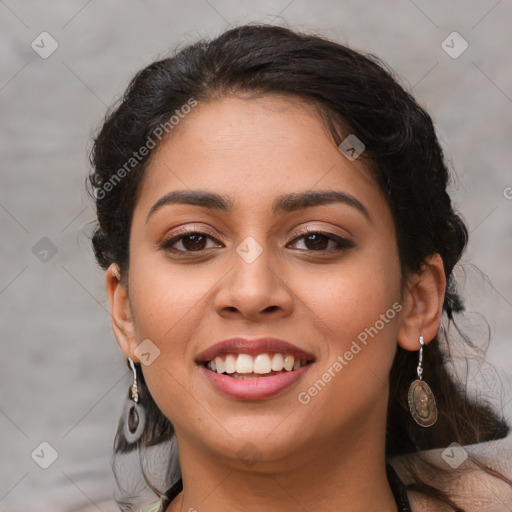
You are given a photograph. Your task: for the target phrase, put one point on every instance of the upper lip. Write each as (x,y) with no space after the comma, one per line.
(253,347)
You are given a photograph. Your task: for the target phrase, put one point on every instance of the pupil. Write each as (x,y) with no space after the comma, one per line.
(316,244)
(194,245)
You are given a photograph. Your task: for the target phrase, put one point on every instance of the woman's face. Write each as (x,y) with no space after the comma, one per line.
(252,272)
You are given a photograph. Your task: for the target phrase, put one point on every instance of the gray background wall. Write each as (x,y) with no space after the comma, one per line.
(63,379)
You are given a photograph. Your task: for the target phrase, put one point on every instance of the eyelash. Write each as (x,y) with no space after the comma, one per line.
(343,243)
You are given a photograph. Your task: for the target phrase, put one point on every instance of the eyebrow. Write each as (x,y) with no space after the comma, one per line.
(285,203)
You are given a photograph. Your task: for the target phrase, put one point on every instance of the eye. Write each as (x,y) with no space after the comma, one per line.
(319,240)
(191,241)
(314,240)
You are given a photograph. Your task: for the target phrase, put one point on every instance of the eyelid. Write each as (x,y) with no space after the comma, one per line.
(182,232)
(341,241)
(190,229)
(310,229)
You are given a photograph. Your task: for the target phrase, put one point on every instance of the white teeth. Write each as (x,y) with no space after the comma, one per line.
(244,364)
(229,363)
(238,365)
(262,364)
(220,365)
(277,362)
(288,363)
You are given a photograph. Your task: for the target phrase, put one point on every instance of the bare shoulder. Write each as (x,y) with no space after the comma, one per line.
(469,486)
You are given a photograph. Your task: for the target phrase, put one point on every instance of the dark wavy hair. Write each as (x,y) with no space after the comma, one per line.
(354,93)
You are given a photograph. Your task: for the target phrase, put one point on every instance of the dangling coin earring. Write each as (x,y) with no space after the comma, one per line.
(135,416)
(422,403)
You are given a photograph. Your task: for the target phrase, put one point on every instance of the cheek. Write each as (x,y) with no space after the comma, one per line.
(167,303)
(359,307)
(353,296)
(168,309)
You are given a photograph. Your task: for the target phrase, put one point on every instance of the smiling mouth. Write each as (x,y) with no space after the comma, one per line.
(245,366)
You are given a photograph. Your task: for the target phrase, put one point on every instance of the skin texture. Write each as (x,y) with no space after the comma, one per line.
(313,456)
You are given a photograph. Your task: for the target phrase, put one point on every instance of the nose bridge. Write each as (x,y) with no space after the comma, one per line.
(253,285)
(252,273)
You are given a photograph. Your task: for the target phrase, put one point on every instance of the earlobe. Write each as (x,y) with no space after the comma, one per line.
(423,304)
(120,311)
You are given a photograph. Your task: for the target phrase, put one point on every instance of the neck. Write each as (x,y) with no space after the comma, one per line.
(347,476)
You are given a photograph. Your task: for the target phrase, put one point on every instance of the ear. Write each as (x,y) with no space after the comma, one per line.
(120,312)
(423,304)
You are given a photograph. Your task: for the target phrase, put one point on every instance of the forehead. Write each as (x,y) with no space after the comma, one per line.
(252,149)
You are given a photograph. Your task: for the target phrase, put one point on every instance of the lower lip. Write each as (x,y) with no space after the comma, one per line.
(255,388)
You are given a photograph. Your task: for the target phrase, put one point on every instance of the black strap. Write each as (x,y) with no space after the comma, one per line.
(397,487)
(399,490)
(171,493)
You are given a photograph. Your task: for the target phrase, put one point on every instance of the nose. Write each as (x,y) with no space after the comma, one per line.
(254,289)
